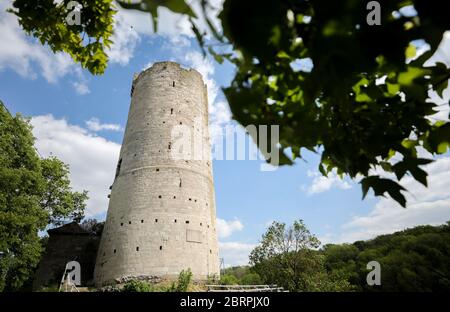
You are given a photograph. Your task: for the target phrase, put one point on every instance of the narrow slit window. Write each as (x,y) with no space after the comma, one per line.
(156,220)
(160,247)
(175,220)
(121,224)
(173,84)
(170,145)
(115,250)
(119,164)
(142,221)
(157,169)
(129,222)
(171,111)
(137,248)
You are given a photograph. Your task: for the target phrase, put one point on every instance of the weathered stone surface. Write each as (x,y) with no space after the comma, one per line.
(67,243)
(161,217)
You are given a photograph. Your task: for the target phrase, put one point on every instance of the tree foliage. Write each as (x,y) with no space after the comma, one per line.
(93,226)
(289,258)
(415,260)
(411,260)
(341,107)
(239,275)
(364,100)
(34,193)
(87,43)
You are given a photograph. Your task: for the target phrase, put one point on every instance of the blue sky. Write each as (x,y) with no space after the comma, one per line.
(80,118)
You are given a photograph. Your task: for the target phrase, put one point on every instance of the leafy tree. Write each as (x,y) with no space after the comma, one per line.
(237,271)
(228,279)
(288,257)
(34,193)
(87,43)
(92,225)
(251,279)
(240,275)
(364,100)
(411,260)
(342,260)
(58,199)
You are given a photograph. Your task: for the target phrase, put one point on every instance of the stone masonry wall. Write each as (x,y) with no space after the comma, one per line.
(161,217)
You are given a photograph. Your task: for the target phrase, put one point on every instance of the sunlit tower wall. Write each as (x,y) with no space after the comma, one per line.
(161,217)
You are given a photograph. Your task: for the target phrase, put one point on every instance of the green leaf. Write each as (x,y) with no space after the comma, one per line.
(412,73)
(410,51)
(381,185)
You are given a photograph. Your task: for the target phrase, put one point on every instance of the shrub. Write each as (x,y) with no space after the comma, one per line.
(228,279)
(137,286)
(184,279)
(251,279)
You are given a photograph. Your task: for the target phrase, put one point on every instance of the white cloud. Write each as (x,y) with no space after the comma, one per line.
(178,48)
(425,206)
(92,159)
(219,111)
(226,228)
(321,183)
(172,24)
(125,39)
(81,87)
(22,54)
(442,54)
(18,53)
(235,253)
(94,124)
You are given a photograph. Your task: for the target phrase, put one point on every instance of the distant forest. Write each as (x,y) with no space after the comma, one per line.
(416,259)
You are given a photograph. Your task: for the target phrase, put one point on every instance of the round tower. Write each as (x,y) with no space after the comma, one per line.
(161,217)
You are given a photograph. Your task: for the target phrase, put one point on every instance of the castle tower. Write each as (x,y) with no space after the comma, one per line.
(161,217)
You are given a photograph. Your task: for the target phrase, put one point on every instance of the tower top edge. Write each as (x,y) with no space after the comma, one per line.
(161,66)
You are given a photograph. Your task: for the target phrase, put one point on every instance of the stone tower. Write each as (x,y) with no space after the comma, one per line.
(161,217)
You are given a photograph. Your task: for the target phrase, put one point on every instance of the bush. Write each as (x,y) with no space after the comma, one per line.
(228,279)
(184,279)
(137,286)
(251,279)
